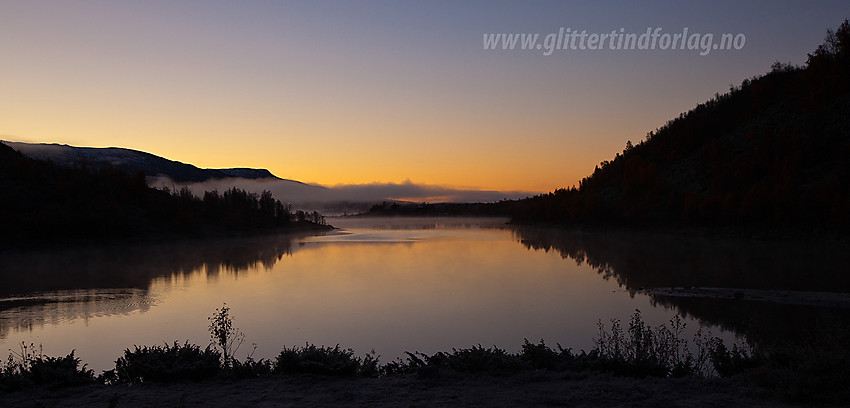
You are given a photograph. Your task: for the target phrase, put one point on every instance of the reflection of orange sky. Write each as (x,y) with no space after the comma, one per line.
(391,285)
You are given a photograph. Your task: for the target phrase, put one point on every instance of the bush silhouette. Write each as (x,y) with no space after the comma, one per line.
(168,363)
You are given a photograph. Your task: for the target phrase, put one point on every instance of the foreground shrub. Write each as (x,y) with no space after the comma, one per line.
(324,361)
(168,363)
(540,356)
(732,362)
(250,368)
(60,371)
(224,335)
(476,359)
(645,351)
(32,368)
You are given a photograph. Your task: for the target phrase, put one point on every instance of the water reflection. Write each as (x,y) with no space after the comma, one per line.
(393,285)
(425,285)
(52,287)
(641,260)
(26,312)
(762,288)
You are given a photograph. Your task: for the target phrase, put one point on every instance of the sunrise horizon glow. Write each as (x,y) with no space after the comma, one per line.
(339,93)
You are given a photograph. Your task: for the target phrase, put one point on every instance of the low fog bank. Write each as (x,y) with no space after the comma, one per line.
(344,198)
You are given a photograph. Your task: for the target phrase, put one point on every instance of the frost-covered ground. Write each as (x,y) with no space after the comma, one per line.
(525,389)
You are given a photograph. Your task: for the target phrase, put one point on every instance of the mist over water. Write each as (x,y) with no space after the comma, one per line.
(344,198)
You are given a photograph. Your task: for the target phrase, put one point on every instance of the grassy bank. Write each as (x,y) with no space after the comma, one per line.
(633,350)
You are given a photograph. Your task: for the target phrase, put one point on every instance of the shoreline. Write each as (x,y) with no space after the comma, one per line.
(297,227)
(534,388)
(789,297)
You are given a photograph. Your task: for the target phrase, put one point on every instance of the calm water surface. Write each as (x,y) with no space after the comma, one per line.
(389,285)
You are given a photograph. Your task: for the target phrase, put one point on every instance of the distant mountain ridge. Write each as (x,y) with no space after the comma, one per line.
(133,161)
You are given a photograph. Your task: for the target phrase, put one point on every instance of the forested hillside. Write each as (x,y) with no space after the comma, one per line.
(42,203)
(771,154)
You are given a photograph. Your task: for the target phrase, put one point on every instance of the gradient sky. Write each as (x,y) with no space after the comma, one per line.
(374,91)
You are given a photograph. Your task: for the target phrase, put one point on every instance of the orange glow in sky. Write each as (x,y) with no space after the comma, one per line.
(341,92)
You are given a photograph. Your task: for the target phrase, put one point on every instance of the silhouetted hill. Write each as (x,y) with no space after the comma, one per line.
(770,155)
(43,203)
(7,154)
(132,161)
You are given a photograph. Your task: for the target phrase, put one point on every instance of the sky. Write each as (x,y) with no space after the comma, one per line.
(342,93)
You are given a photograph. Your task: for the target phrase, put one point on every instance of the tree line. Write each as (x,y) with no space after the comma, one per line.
(44,204)
(769,154)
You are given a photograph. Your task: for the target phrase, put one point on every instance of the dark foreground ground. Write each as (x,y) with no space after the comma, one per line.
(551,389)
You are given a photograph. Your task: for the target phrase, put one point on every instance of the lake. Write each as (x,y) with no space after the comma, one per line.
(395,285)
